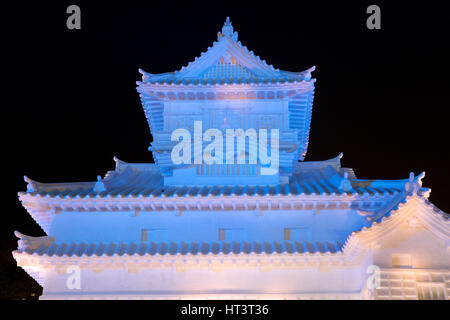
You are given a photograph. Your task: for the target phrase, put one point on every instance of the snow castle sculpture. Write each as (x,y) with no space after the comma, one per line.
(198,227)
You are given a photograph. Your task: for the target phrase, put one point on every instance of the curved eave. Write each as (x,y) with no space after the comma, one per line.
(36,188)
(224,91)
(225,82)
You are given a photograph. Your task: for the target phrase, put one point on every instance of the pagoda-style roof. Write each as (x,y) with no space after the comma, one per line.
(138,180)
(227,62)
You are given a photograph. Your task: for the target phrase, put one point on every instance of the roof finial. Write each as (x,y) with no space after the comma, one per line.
(227,31)
(31,187)
(99,187)
(413,185)
(345,184)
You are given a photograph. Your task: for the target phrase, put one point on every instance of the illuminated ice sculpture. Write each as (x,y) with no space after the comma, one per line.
(310,230)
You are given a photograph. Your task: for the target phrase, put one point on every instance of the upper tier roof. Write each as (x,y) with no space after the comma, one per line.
(227,61)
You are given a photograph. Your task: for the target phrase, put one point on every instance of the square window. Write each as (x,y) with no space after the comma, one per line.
(232,234)
(155,235)
(297,234)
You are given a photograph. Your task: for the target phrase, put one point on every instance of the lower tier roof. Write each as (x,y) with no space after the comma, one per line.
(182,248)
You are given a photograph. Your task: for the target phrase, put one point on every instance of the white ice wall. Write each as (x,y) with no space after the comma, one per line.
(249,280)
(425,249)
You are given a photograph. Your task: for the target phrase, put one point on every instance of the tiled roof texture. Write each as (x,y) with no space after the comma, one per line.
(181,248)
(144,180)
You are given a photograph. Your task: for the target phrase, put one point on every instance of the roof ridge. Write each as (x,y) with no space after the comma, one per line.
(226,47)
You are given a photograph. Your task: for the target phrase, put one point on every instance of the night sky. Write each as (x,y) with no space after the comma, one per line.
(382,96)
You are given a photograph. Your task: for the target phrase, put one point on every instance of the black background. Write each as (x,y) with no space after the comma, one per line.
(382,96)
